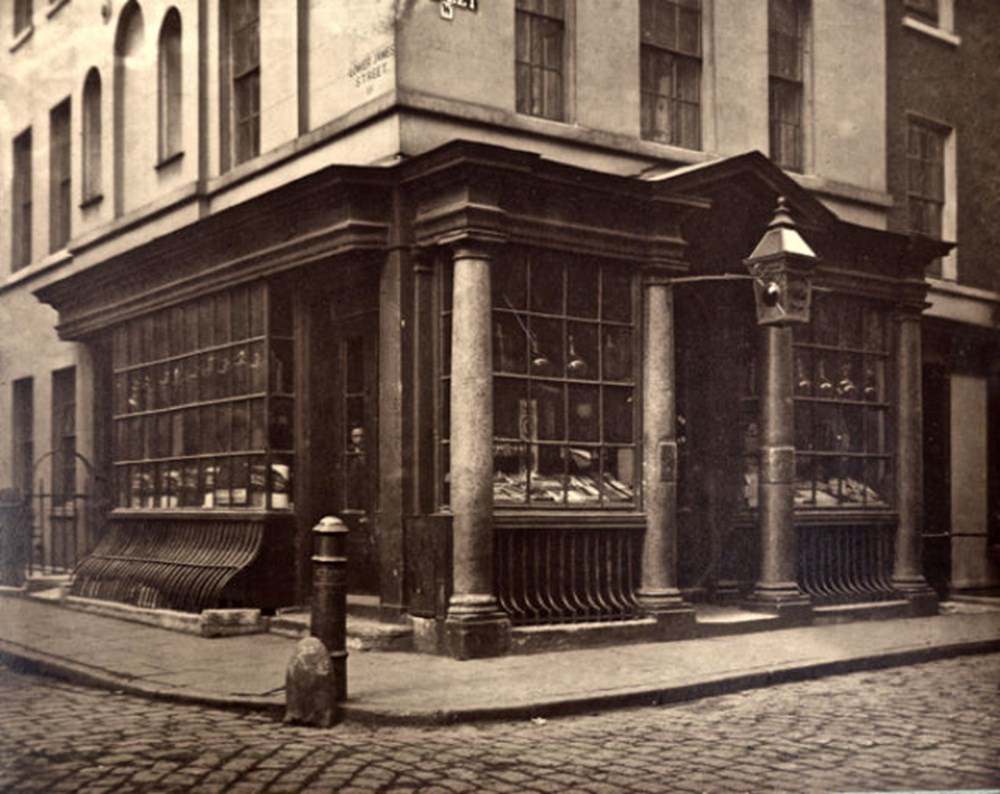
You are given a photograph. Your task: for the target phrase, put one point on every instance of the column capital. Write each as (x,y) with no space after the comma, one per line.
(658,276)
(474,244)
(909,312)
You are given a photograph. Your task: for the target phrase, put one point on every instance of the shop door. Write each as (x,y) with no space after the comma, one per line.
(353,413)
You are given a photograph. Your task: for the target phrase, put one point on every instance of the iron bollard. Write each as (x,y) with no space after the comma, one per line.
(329,597)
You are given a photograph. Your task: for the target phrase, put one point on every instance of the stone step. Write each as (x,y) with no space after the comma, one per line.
(363,633)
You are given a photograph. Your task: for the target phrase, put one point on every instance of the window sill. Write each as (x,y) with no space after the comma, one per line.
(207,513)
(512,516)
(21,37)
(90,201)
(930,30)
(54,6)
(170,159)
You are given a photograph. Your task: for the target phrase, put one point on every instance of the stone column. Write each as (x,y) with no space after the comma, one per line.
(777,587)
(475,626)
(907,572)
(658,594)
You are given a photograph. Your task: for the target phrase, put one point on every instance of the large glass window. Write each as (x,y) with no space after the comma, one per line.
(539,38)
(786,54)
(670,71)
(564,385)
(203,403)
(843,448)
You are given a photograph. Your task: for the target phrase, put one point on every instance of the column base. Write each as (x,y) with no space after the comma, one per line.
(783,600)
(476,628)
(675,617)
(921,597)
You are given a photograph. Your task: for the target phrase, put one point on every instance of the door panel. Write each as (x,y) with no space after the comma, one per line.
(354,414)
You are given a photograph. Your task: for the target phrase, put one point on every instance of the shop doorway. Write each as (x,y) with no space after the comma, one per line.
(340,443)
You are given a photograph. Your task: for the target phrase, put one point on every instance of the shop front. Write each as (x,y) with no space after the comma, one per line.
(537,395)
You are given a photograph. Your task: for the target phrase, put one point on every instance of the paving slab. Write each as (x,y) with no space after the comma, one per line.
(249,671)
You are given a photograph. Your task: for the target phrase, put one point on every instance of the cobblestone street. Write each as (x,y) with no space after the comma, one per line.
(927,726)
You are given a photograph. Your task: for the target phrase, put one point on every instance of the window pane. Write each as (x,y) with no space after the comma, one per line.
(617,353)
(582,354)
(547,405)
(583,476)
(618,415)
(508,408)
(547,355)
(619,478)
(689,31)
(510,472)
(582,288)
(616,298)
(584,413)
(510,342)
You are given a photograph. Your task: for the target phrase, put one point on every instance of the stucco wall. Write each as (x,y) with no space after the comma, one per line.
(31,349)
(971,566)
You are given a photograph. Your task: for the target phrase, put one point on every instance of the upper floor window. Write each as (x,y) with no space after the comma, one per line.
(169,79)
(242,60)
(925,177)
(926,9)
(23,9)
(60,181)
(64,432)
(21,215)
(24,433)
(91,154)
(786,89)
(930,187)
(540,31)
(670,71)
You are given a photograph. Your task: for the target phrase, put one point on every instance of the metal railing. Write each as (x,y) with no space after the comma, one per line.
(843,564)
(562,575)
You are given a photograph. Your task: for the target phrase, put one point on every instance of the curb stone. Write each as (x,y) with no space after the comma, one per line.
(28,660)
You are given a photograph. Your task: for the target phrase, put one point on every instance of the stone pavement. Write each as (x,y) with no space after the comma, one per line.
(932,726)
(249,671)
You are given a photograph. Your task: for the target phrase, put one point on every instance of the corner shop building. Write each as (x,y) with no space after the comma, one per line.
(484,363)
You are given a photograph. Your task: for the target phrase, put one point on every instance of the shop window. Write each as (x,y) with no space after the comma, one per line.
(203,403)
(24,433)
(540,30)
(169,68)
(241,65)
(23,9)
(786,84)
(670,71)
(842,367)
(60,180)
(64,433)
(21,216)
(91,154)
(564,383)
